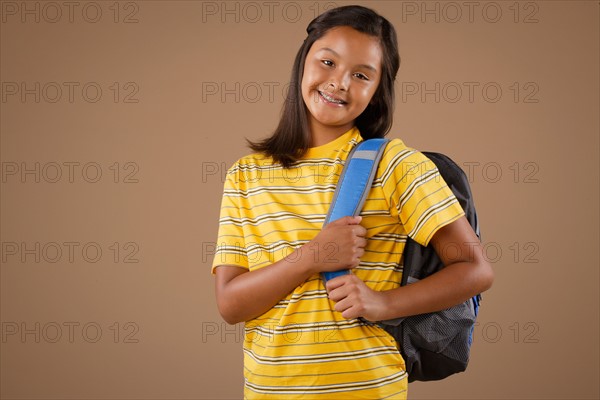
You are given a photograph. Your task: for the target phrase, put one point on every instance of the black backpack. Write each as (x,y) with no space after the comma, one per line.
(433,345)
(436,345)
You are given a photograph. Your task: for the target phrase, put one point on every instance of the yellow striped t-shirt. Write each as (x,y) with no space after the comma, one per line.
(302,348)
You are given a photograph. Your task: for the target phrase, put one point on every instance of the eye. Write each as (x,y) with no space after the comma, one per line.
(329,63)
(361,76)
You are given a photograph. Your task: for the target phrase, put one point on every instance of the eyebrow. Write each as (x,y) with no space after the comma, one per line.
(367,66)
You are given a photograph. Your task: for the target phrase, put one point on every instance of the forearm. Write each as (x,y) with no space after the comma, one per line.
(251,294)
(243,295)
(452,285)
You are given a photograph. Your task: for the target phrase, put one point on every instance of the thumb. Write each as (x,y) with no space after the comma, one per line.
(347,220)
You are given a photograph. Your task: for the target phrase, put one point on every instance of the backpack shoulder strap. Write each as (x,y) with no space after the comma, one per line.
(354,184)
(420,261)
(458,182)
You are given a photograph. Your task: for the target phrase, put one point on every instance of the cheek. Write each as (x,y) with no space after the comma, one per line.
(370,92)
(304,87)
(310,77)
(310,80)
(366,95)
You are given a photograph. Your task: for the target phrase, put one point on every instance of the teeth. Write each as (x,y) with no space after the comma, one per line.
(331,99)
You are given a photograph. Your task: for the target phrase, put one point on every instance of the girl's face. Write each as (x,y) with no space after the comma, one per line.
(341,73)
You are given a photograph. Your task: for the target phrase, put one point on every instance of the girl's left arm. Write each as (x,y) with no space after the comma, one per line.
(466,273)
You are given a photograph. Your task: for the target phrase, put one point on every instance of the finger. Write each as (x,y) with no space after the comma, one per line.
(347,220)
(359,253)
(359,230)
(360,242)
(351,313)
(343,305)
(348,308)
(337,294)
(355,262)
(356,220)
(336,282)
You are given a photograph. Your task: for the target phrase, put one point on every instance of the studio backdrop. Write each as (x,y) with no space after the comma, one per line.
(119,120)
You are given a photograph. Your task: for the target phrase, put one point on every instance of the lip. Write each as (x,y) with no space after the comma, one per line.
(333,97)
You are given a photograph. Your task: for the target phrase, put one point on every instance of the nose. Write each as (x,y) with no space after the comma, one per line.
(338,81)
(332,87)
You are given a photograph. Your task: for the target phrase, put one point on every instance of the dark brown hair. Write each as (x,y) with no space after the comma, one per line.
(291,138)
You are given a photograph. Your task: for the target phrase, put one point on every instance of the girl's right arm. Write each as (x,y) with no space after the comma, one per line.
(243,295)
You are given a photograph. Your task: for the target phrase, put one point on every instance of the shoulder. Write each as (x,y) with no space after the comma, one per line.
(250,171)
(398,159)
(250,162)
(397,148)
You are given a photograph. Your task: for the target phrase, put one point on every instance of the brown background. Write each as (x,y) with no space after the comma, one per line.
(194,79)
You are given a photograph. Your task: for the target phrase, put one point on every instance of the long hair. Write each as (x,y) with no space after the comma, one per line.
(291,138)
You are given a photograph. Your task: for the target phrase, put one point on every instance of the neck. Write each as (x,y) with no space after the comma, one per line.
(321,134)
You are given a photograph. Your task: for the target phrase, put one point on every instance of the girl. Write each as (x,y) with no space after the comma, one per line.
(304,339)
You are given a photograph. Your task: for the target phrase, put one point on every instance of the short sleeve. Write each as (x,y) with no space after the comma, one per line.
(230,248)
(416,192)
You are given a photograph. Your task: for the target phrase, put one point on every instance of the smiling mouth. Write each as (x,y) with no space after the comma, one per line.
(331,99)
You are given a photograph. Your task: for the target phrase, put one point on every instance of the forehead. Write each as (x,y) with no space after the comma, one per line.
(350,44)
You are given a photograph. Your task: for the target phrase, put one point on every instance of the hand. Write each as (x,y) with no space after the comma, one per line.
(355,299)
(338,246)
